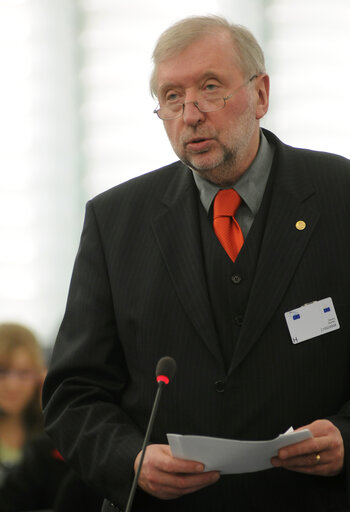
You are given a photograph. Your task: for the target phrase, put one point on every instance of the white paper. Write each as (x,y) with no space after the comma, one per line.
(232,456)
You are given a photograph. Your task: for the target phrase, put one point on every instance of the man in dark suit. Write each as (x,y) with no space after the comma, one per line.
(152,279)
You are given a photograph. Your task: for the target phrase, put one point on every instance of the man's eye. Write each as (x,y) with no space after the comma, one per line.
(211,87)
(172,97)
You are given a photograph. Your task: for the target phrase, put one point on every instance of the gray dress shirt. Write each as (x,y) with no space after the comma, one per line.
(250,186)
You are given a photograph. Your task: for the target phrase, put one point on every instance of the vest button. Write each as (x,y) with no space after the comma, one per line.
(238,320)
(236,279)
(219,386)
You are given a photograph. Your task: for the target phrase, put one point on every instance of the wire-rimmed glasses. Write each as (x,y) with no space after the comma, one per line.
(176,110)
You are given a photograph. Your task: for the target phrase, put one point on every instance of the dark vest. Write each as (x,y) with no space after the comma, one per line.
(229,283)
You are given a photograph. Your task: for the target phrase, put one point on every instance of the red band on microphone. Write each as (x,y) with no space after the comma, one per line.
(163,378)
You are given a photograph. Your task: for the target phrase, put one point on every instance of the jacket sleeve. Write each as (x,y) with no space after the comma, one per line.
(87,376)
(342,422)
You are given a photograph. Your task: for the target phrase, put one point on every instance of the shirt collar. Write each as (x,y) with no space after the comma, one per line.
(250,186)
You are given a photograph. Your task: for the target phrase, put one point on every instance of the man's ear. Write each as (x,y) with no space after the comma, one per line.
(262,88)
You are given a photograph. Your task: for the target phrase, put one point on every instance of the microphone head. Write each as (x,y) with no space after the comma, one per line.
(165,370)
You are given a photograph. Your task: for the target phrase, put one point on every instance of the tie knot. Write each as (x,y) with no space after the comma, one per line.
(226,203)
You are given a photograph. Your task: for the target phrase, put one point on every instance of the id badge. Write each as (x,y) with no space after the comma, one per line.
(311,320)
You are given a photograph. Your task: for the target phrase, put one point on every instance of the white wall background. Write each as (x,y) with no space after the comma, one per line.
(76,116)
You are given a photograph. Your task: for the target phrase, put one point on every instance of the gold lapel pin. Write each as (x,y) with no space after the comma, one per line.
(300,225)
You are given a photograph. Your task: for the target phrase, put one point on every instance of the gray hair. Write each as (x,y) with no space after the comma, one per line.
(250,57)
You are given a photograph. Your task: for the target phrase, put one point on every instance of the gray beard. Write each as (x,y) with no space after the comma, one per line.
(222,174)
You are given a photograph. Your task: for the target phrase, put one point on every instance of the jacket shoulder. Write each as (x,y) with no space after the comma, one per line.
(322,158)
(319,166)
(155,181)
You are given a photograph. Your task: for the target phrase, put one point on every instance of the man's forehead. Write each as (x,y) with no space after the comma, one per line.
(210,56)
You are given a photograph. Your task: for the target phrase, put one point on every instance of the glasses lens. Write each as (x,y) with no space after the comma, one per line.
(210,105)
(204,105)
(170,112)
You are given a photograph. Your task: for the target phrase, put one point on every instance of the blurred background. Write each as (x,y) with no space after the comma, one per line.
(76,116)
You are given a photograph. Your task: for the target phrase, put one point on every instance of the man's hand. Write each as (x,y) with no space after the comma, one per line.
(167,478)
(323,454)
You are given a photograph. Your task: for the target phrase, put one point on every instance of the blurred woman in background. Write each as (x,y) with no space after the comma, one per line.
(22,371)
(33,475)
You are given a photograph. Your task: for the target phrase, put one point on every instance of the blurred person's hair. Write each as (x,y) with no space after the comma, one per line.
(15,336)
(250,57)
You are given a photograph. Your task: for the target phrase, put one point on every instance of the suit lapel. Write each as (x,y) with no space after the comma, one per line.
(178,235)
(293,199)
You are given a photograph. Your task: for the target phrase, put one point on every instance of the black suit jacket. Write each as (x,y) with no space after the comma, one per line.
(34,483)
(139,292)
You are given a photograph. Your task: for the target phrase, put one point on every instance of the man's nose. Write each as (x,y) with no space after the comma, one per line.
(191,114)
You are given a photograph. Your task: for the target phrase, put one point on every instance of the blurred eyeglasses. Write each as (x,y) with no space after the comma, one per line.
(22,375)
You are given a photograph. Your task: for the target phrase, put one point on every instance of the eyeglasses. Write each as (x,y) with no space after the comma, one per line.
(22,375)
(176,110)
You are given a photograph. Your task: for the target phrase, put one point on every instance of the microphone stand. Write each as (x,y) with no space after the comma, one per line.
(144,446)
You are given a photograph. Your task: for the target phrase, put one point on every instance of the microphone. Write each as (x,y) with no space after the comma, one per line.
(165,371)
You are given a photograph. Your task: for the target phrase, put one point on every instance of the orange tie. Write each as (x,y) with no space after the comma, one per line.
(225,225)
